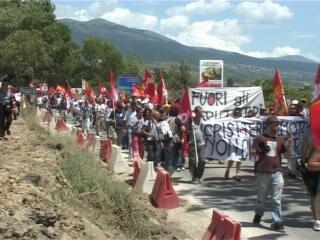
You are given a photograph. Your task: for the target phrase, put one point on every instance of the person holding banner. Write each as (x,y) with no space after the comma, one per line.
(236,114)
(196,146)
(268,148)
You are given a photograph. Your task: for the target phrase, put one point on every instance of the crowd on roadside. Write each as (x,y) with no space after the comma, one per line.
(157,134)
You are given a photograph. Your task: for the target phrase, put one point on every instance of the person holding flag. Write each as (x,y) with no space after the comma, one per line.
(269,149)
(196,146)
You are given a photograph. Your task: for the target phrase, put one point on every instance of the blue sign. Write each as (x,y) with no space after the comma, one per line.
(125,84)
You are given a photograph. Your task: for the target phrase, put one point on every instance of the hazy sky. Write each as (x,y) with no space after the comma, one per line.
(256,28)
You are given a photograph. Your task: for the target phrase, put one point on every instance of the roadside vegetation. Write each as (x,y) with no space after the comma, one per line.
(95,193)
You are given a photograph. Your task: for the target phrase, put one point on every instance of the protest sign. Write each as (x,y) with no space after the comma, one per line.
(211,70)
(220,102)
(231,139)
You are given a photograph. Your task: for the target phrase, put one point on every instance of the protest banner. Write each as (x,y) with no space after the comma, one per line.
(231,139)
(212,71)
(220,102)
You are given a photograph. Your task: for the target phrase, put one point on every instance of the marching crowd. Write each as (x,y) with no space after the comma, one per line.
(157,134)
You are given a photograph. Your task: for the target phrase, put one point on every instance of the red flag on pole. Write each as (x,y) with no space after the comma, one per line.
(147,78)
(151,93)
(150,89)
(114,92)
(280,104)
(204,83)
(185,112)
(138,91)
(69,94)
(162,91)
(316,92)
(89,92)
(103,91)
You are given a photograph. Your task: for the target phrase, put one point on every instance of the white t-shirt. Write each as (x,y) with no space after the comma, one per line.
(17,96)
(100,108)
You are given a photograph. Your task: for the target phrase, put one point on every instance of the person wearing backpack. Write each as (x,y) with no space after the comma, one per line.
(175,148)
(150,131)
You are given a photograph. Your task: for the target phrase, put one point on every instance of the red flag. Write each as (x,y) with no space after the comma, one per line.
(147,78)
(137,91)
(280,105)
(69,94)
(185,112)
(316,92)
(103,91)
(89,92)
(151,93)
(204,83)
(150,89)
(162,91)
(315,123)
(114,92)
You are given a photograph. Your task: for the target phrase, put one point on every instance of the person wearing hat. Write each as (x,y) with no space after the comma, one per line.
(6,103)
(269,148)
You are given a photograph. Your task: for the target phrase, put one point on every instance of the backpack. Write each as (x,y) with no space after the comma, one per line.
(174,129)
(164,131)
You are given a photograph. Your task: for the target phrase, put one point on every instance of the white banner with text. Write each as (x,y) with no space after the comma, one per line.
(219,103)
(231,139)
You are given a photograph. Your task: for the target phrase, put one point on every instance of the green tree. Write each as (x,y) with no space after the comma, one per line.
(133,66)
(230,82)
(266,85)
(99,57)
(25,54)
(179,77)
(34,46)
(291,92)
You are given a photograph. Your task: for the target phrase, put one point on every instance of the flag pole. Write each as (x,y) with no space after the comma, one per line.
(194,136)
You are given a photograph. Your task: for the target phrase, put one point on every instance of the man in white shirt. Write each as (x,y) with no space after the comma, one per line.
(129,117)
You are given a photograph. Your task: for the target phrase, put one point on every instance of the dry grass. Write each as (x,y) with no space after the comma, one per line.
(94,192)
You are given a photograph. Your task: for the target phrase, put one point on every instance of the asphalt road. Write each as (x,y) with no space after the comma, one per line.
(237,199)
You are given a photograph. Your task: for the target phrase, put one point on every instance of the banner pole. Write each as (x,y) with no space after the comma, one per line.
(194,134)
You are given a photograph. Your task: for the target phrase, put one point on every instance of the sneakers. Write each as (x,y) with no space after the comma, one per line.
(182,168)
(178,169)
(277,226)
(256,219)
(237,178)
(226,175)
(193,180)
(316,225)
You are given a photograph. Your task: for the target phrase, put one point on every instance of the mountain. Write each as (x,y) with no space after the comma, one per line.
(293,58)
(157,49)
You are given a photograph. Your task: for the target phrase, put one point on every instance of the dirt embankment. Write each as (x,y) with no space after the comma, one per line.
(31,177)
(28,177)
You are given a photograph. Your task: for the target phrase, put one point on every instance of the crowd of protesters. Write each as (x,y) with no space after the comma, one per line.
(157,134)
